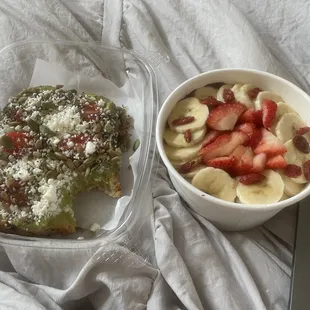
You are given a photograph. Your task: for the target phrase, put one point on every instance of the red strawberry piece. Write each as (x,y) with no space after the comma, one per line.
(210,101)
(76,143)
(224,162)
(259,162)
(224,145)
(303,131)
(210,137)
(251,178)
(292,171)
(301,144)
(228,95)
(275,162)
(244,165)
(269,144)
(239,151)
(306,170)
(252,116)
(252,93)
(269,109)
(225,116)
(90,112)
(255,138)
(17,142)
(247,128)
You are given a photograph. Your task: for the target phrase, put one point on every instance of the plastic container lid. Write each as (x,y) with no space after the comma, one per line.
(121,66)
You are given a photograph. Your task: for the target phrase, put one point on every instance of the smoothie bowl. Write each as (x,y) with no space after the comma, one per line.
(236,145)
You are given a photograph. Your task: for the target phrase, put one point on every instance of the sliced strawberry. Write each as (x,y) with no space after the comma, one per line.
(90,112)
(239,151)
(251,116)
(76,143)
(247,128)
(252,93)
(244,165)
(252,178)
(210,137)
(223,145)
(224,162)
(269,144)
(275,162)
(269,109)
(228,95)
(303,131)
(17,142)
(255,138)
(210,101)
(225,116)
(259,162)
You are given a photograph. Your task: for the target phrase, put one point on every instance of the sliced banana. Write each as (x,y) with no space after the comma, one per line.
(182,154)
(220,92)
(295,157)
(291,188)
(189,107)
(176,139)
(266,95)
(241,94)
(269,190)
(205,92)
(193,172)
(215,182)
(288,125)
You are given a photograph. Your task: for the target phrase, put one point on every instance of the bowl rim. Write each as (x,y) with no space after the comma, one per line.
(208,198)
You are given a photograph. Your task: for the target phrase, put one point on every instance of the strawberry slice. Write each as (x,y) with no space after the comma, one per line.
(247,128)
(303,130)
(269,144)
(259,162)
(223,145)
(252,178)
(76,143)
(239,151)
(252,116)
(275,162)
(210,137)
(269,109)
(255,138)
(90,112)
(244,165)
(17,142)
(224,162)
(225,116)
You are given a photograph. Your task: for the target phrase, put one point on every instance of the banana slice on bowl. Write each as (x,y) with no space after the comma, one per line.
(182,154)
(287,126)
(266,95)
(193,172)
(176,139)
(189,108)
(270,190)
(295,157)
(220,92)
(241,94)
(205,92)
(215,182)
(291,188)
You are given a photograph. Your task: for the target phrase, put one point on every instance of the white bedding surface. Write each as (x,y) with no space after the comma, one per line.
(184,261)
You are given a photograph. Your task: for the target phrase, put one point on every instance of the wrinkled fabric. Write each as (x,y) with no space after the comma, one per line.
(175,259)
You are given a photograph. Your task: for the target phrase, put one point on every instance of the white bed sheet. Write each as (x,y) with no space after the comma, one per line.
(184,262)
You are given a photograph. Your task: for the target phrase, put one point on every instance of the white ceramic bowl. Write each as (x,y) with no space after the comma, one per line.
(227,215)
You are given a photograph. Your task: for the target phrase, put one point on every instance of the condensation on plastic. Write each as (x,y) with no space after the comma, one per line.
(18,59)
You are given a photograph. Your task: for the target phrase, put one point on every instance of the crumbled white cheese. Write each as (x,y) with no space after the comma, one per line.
(101,103)
(34,114)
(82,127)
(37,171)
(80,238)
(90,148)
(70,144)
(63,121)
(54,140)
(49,203)
(95,227)
(19,170)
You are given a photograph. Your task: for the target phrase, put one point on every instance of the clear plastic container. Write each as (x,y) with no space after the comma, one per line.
(120,66)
